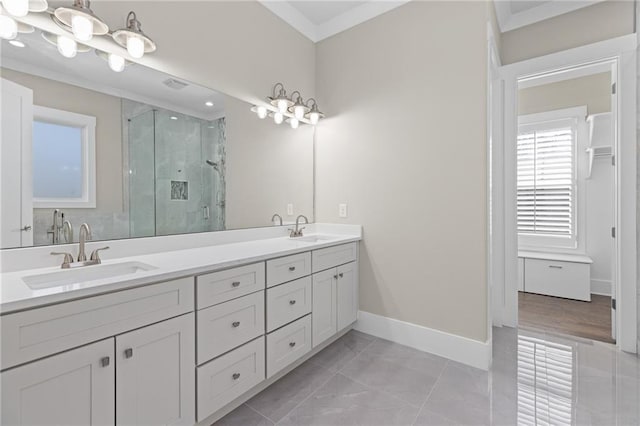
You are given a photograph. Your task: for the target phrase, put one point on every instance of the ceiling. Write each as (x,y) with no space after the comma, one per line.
(90,71)
(321,19)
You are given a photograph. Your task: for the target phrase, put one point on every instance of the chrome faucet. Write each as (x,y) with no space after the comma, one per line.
(85,234)
(298,231)
(276,215)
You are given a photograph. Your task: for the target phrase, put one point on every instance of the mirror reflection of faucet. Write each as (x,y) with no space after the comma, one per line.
(274,217)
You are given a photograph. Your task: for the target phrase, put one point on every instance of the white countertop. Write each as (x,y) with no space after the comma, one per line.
(15,295)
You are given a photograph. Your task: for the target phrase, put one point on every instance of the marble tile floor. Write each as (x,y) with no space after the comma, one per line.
(536,378)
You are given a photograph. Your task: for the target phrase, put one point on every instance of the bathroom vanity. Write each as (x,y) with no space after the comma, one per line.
(181,340)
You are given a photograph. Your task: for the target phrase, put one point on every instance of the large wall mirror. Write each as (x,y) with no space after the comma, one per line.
(136,153)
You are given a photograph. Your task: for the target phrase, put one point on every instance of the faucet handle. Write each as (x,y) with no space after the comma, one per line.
(68,257)
(300,231)
(95,255)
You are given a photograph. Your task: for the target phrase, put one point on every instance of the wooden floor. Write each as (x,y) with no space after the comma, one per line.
(591,320)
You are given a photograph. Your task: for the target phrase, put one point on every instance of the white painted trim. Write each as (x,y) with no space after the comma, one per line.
(88,125)
(510,21)
(457,348)
(601,287)
(564,75)
(342,22)
(623,51)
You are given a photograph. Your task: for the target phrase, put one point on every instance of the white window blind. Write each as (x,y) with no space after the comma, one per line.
(546,170)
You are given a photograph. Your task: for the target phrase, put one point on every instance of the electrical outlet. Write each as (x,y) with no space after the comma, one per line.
(342,210)
(290,209)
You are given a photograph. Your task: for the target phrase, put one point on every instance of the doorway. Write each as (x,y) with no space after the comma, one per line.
(562,215)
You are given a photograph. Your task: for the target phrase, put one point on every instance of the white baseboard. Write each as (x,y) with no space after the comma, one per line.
(461,349)
(601,287)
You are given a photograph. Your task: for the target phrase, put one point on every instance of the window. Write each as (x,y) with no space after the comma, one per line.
(63,159)
(547,169)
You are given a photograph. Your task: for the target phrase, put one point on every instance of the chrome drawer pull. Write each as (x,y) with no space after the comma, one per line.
(236,324)
(341,275)
(292,302)
(236,376)
(104,362)
(335,277)
(555,267)
(292,344)
(128,353)
(292,268)
(235,283)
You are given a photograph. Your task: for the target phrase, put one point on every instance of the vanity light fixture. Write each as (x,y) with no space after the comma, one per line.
(314,115)
(293,122)
(299,109)
(278,117)
(133,39)
(294,109)
(81,20)
(261,111)
(17,43)
(280,99)
(17,8)
(116,62)
(67,46)
(8,27)
(209,104)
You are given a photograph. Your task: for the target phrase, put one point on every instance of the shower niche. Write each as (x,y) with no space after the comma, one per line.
(175,172)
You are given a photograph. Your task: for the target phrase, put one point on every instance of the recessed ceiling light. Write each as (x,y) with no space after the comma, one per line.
(173,117)
(209,103)
(16,43)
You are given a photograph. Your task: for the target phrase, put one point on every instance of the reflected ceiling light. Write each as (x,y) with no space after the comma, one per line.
(16,43)
(314,115)
(209,104)
(18,8)
(133,39)
(67,46)
(262,111)
(299,109)
(278,117)
(8,27)
(280,99)
(173,117)
(80,18)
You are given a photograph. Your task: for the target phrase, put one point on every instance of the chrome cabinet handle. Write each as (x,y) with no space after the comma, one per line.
(292,344)
(555,266)
(341,275)
(236,324)
(26,228)
(292,302)
(128,353)
(235,283)
(236,376)
(104,362)
(292,268)
(335,277)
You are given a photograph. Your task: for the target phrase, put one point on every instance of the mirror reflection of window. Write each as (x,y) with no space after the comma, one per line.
(57,160)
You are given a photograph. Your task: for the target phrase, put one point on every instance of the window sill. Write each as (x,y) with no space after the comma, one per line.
(560,257)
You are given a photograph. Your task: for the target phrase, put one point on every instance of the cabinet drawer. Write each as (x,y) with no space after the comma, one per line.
(226,378)
(218,287)
(562,279)
(228,325)
(288,268)
(286,345)
(36,333)
(333,256)
(287,302)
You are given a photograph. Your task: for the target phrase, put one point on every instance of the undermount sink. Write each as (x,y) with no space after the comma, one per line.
(314,238)
(84,274)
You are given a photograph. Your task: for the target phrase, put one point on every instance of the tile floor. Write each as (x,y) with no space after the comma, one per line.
(536,378)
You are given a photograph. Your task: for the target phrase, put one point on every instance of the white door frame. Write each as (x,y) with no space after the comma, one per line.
(623,50)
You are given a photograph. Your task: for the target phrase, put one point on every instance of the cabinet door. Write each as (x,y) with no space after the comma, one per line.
(72,388)
(347,294)
(155,378)
(323,317)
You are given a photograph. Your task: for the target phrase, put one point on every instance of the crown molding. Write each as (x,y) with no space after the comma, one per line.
(508,21)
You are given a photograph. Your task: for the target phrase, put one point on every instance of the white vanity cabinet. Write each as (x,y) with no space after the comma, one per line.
(325,319)
(71,388)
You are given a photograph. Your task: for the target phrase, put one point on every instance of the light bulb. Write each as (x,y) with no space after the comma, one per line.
(67,46)
(8,27)
(261,111)
(282,105)
(135,47)
(116,62)
(314,117)
(17,8)
(82,27)
(278,117)
(298,111)
(294,123)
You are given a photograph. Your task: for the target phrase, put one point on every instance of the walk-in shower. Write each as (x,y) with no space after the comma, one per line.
(176,166)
